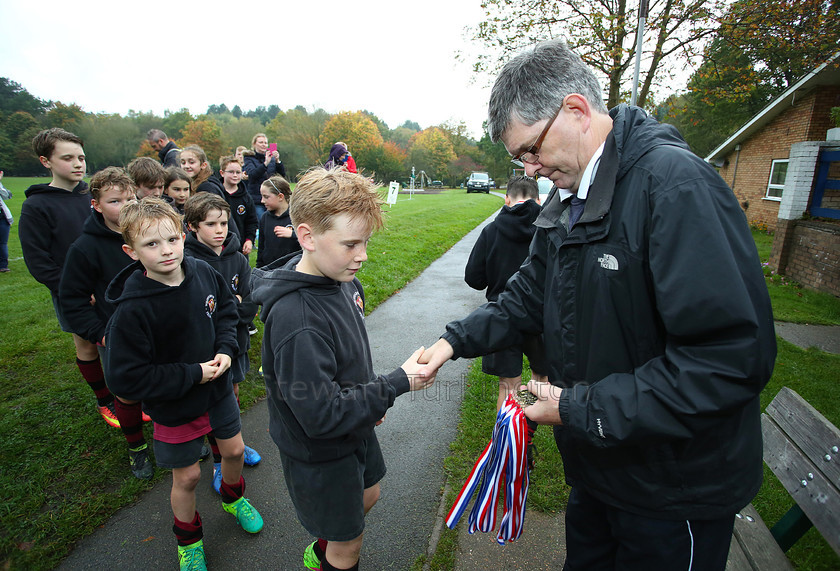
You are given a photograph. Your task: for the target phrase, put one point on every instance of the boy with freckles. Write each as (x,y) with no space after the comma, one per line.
(169,344)
(324,397)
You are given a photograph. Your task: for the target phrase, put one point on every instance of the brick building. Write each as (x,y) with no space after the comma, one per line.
(779,165)
(754,160)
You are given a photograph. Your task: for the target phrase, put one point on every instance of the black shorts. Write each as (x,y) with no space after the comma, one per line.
(508,362)
(239,366)
(59,314)
(328,496)
(224,419)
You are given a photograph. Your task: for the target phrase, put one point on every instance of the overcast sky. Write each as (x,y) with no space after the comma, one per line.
(393,58)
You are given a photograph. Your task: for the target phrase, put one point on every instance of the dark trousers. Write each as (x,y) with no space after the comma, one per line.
(601,537)
(4,241)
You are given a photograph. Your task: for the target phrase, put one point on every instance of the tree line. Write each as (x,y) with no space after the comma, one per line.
(749,51)
(445,152)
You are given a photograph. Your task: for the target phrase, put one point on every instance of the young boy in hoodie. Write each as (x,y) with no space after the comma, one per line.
(243,211)
(500,249)
(324,398)
(169,344)
(149,177)
(92,262)
(51,218)
(207,218)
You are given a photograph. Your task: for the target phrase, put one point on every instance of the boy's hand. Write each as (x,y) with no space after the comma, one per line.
(208,371)
(417,377)
(546,409)
(222,361)
(247,247)
(380,421)
(283,232)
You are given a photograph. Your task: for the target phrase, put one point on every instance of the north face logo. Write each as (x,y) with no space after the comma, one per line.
(608,262)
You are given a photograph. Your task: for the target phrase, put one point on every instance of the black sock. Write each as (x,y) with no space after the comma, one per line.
(325,566)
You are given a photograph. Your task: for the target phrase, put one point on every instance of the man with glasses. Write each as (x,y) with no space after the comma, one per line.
(645,281)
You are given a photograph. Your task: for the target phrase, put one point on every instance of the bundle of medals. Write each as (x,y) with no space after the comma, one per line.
(502,466)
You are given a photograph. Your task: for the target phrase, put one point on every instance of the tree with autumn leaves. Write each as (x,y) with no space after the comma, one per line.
(603,34)
(759,50)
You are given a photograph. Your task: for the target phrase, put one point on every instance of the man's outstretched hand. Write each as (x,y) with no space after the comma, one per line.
(435,356)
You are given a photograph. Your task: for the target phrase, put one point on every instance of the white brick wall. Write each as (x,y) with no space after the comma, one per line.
(800,179)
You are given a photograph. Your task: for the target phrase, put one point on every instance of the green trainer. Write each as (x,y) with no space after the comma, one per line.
(310,560)
(248,518)
(141,466)
(191,557)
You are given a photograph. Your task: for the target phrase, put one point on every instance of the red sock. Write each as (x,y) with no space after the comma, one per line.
(131,422)
(234,492)
(188,533)
(92,373)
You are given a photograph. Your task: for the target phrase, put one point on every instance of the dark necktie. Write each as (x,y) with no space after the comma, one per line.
(576,209)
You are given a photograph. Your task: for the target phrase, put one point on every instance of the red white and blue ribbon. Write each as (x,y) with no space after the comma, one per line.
(502,466)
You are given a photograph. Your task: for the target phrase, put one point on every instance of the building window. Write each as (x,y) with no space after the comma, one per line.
(778,173)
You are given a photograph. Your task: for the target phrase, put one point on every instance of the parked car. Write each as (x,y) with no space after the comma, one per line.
(478,182)
(436,184)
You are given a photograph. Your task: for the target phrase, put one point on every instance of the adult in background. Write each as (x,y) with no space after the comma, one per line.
(260,165)
(645,281)
(349,161)
(6,221)
(338,157)
(169,154)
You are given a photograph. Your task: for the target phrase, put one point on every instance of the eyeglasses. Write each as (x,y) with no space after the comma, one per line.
(532,154)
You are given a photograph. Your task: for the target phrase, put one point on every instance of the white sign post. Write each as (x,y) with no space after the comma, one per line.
(393,191)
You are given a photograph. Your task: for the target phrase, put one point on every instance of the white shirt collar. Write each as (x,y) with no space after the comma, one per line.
(587,178)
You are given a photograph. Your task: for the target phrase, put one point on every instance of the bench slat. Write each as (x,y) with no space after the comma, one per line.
(753,547)
(809,429)
(819,498)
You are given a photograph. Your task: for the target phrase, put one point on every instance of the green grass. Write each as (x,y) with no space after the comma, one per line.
(792,302)
(63,472)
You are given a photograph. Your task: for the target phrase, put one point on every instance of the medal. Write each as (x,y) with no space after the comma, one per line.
(503,466)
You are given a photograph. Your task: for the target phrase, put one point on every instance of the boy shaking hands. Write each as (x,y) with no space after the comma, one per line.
(324,398)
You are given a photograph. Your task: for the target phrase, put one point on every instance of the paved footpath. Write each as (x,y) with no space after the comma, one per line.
(415,439)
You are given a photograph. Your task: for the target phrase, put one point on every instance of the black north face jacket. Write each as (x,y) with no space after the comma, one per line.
(658,324)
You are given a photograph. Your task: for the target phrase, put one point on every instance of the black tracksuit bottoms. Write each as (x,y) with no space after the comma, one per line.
(601,537)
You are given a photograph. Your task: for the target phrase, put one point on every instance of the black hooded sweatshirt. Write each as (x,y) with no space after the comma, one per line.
(159,335)
(323,396)
(271,246)
(93,260)
(501,248)
(50,221)
(243,213)
(236,270)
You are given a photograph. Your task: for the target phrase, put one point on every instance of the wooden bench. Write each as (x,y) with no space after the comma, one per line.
(802,449)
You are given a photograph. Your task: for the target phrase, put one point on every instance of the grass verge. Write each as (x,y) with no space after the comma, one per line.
(792,302)
(63,472)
